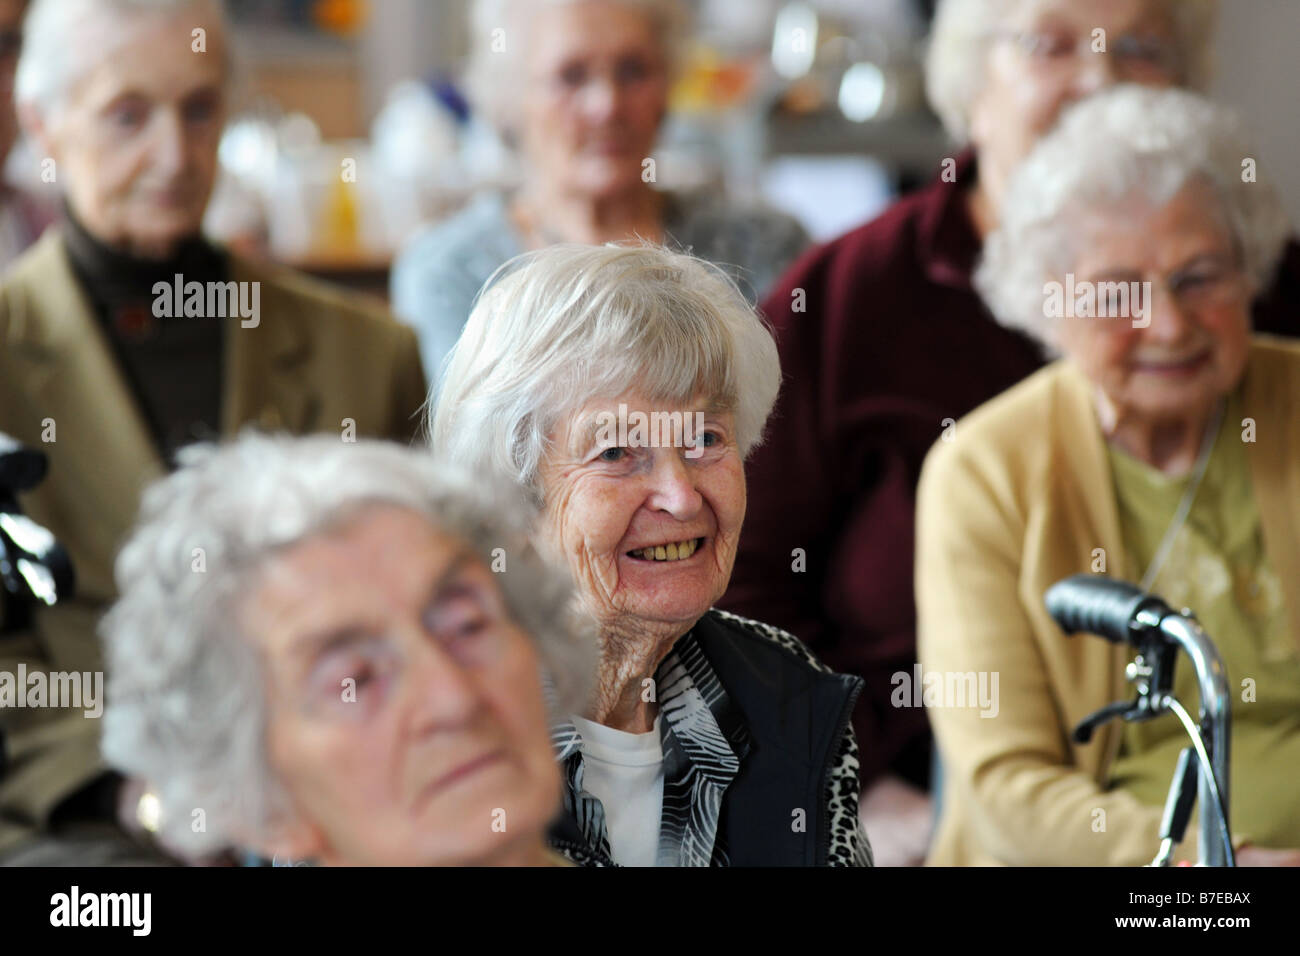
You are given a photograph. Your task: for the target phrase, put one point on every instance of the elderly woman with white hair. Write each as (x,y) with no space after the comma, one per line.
(313,659)
(1161,449)
(578,89)
(621,387)
(885,341)
(125,334)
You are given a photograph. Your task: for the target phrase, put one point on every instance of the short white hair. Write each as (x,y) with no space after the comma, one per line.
(958,51)
(64,40)
(1120,141)
(559,328)
(494,75)
(186,709)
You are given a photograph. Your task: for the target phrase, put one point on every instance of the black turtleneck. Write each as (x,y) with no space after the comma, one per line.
(172,364)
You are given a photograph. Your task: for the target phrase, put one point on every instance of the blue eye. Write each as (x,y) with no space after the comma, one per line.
(613,454)
(709,439)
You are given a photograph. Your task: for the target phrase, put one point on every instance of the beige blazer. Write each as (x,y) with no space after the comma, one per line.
(1020,498)
(317,357)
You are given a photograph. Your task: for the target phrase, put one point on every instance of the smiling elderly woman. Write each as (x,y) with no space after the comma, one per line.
(712,739)
(1163,449)
(345,681)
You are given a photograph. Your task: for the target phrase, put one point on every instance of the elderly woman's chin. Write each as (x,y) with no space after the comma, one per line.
(479,819)
(492,809)
(157,217)
(677,584)
(166,223)
(608,170)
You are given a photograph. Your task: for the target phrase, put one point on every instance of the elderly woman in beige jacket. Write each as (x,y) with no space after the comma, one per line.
(125,334)
(1164,448)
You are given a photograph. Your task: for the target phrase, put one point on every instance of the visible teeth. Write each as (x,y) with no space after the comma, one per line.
(676,551)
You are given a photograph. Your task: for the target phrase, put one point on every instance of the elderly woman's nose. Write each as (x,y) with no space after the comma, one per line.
(672,486)
(441,690)
(1169,320)
(1096,72)
(601,97)
(169,142)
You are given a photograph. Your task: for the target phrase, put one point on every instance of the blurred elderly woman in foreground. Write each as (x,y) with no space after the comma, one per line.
(622,388)
(579,90)
(313,658)
(1162,449)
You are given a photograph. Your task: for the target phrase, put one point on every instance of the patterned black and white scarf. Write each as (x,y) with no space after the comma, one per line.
(704,741)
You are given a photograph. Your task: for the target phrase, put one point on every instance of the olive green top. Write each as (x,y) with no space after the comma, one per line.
(1219,569)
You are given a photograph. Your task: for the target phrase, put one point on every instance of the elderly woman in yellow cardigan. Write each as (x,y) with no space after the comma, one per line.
(1163,449)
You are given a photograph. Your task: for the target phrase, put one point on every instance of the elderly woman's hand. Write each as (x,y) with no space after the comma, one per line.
(898,818)
(1263,856)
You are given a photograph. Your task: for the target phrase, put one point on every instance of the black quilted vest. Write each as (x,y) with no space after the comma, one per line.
(795,717)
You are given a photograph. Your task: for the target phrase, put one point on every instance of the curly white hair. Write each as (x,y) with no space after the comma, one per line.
(1126,141)
(185,691)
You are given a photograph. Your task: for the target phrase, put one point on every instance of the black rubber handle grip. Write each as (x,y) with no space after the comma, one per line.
(1091,604)
(21,469)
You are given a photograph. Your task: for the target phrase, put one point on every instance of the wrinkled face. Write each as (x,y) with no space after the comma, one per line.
(1194,350)
(611,506)
(11,23)
(595,95)
(136,141)
(406,710)
(1034,68)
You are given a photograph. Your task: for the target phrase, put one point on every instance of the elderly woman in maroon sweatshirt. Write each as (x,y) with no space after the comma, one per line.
(885,344)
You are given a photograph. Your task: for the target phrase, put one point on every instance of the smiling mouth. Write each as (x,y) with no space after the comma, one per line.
(1191,364)
(673,551)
